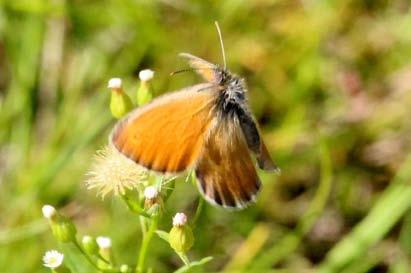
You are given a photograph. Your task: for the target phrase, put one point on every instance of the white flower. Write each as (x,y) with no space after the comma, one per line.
(103,242)
(115,83)
(180,219)
(146,75)
(48,211)
(150,192)
(53,259)
(113,172)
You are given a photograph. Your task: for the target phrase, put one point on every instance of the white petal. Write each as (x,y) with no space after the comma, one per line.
(150,192)
(180,219)
(48,211)
(146,74)
(103,242)
(53,259)
(115,83)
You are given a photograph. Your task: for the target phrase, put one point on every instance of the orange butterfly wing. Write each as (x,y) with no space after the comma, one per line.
(167,135)
(226,173)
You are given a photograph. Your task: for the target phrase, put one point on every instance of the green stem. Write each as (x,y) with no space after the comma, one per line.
(145,243)
(78,246)
(102,258)
(198,211)
(184,258)
(143,225)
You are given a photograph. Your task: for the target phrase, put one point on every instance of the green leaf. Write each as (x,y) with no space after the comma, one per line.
(134,206)
(193,265)
(163,235)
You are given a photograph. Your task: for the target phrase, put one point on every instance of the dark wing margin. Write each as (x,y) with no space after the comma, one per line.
(254,141)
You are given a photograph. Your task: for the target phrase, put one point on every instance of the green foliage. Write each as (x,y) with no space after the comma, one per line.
(329,82)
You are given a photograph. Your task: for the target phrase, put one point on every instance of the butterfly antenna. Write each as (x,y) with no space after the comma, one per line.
(181,71)
(221,43)
(187,70)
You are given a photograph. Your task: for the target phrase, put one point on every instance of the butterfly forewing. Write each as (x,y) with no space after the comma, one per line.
(225,170)
(205,69)
(168,134)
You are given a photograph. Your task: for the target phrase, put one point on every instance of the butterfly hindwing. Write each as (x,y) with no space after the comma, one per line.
(225,171)
(167,135)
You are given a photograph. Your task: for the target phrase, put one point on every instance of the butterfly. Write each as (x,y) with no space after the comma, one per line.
(207,127)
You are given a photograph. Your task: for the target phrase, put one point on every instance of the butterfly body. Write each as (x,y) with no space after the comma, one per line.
(207,127)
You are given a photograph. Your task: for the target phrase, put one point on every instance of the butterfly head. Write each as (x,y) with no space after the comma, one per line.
(232,87)
(233,91)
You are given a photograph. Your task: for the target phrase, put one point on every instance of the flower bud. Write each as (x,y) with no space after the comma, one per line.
(146,75)
(49,212)
(150,192)
(90,245)
(104,244)
(63,230)
(180,219)
(150,195)
(144,93)
(181,236)
(120,103)
(115,84)
(125,268)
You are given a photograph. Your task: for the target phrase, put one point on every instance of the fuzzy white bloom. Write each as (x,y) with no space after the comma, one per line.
(115,83)
(180,219)
(103,242)
(150,192)
(113,172)
(53,259)
(48,211)
(146,75)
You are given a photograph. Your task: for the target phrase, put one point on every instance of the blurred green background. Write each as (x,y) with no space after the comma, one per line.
(329,82)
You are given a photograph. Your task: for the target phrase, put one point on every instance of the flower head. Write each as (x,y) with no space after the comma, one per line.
(49,212)
(146,75)
(150,192)
(113,172)
(114,83)
(120,102)
(181,236)
(89,244)
(180,219)
(53,259)
(103,242)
